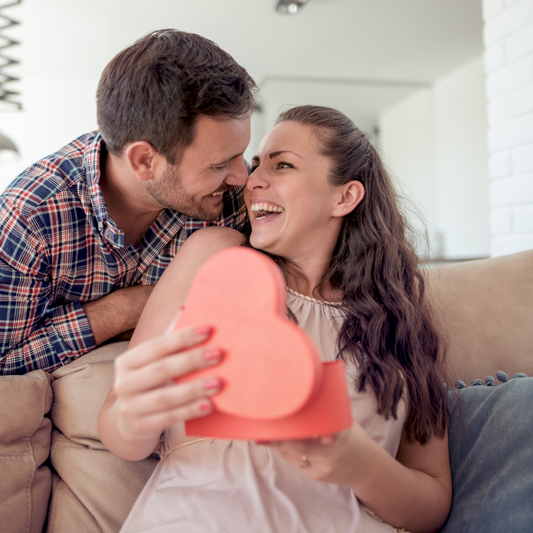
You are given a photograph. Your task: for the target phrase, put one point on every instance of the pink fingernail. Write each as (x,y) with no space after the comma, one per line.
(203,331)
(212,354)
(211,383)
(205,406)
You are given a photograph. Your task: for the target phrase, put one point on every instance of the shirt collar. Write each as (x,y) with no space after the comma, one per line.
(95,152)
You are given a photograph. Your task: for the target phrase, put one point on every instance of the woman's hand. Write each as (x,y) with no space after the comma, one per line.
(144,399)
(412,491)
(327,458)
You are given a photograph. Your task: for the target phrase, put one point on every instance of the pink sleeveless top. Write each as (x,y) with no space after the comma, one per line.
(239,486)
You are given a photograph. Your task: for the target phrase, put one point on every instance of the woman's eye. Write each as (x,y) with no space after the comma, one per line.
(282,164)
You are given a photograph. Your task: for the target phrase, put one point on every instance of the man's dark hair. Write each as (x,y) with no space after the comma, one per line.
(155,90)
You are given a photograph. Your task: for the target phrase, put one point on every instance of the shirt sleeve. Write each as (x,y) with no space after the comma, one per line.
(33,334)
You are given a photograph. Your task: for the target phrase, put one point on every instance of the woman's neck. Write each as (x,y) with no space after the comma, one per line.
(305,276)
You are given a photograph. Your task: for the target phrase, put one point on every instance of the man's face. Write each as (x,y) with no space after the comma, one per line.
(211,165)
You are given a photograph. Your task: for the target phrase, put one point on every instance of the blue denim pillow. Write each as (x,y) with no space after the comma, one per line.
(491,456)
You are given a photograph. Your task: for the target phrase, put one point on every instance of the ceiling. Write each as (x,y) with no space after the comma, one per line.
(412,41)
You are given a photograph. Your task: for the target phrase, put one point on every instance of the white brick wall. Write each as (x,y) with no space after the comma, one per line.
(508,36)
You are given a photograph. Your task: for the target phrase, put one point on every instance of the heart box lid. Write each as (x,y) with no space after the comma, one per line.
(270,368)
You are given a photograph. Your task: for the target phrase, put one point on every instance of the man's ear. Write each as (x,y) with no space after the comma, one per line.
(143,159)
(349,197)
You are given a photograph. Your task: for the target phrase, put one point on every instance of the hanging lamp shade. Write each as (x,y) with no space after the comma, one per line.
(7,144)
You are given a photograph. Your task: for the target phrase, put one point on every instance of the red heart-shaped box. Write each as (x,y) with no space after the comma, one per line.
(274,383)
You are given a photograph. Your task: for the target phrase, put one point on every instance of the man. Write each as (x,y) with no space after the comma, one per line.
(86,232)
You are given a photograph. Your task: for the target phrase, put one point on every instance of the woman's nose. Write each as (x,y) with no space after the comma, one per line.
(256,180)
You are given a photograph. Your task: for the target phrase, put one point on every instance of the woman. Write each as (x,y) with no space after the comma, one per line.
(321,203)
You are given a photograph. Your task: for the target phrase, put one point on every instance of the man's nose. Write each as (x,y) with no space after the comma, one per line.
(238,174)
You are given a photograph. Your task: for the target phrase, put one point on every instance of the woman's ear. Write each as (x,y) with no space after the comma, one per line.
(349,197)
(143,159)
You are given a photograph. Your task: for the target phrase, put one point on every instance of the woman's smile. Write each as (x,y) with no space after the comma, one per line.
(262,211)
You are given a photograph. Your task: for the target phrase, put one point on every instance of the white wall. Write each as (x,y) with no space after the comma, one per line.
(408,149)
(508,40)
(462,161)
(360,100)
(55,112)
(435,144)
(279,95)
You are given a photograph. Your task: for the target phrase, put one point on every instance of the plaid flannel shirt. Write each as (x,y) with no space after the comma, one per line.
(59,249)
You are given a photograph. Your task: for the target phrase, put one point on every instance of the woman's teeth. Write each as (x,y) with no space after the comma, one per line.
(263,209)
(266,207)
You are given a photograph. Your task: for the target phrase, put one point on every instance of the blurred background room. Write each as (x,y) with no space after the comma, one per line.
(443,88)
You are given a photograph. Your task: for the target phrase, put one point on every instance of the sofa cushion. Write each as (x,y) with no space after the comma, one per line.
(485,308)
(25,482)
(491,455)
(94,490)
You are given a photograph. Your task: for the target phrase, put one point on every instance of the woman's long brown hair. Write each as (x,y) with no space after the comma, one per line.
(388,330)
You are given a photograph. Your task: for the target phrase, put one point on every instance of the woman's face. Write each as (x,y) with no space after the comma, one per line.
(288,195)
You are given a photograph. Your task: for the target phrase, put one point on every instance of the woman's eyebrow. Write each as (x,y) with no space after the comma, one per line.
(279,152)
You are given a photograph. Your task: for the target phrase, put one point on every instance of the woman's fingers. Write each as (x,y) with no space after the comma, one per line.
(328,440)
(170,397)
(157,373)
(156,349)
(154,363)
(155,423)
(318,440)
(320,446)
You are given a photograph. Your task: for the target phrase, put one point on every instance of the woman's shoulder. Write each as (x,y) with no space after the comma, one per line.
(206,242)
(213,235)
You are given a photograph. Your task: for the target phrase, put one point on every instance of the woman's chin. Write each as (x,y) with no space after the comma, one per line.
(266,245)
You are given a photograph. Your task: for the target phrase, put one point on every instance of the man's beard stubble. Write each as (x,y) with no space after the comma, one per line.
(171,194)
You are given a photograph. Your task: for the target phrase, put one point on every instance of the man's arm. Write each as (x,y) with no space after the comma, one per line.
(116,312)
(33,334)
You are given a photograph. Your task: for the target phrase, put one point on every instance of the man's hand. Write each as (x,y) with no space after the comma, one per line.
(116,312)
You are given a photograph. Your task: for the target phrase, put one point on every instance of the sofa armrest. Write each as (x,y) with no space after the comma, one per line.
(25,482)
(93,489)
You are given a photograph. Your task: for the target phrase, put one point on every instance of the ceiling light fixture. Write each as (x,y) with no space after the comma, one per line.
(290,7)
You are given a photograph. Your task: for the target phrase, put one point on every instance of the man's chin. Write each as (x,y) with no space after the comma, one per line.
(201,213)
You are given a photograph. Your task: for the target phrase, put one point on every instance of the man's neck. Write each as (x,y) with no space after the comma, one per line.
(128,205)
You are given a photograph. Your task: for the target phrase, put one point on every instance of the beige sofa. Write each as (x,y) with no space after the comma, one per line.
(56,475)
